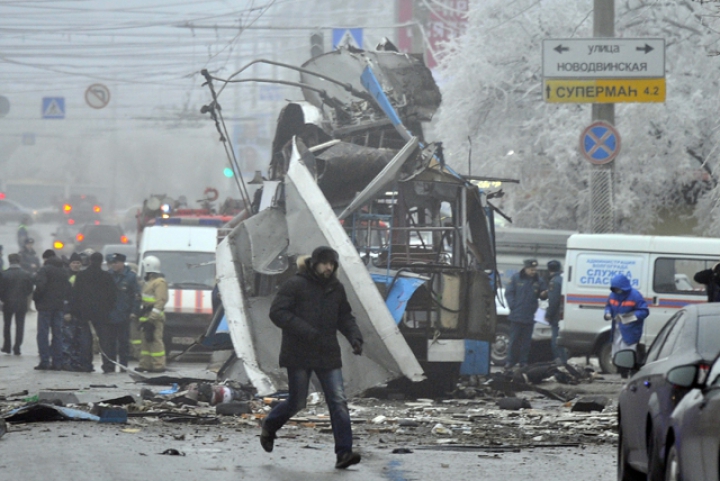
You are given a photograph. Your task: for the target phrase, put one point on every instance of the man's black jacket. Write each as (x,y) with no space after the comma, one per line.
(51,286)
(310,311)
(93,295)
(15,287)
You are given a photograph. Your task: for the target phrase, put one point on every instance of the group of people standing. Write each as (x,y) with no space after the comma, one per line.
(72,299)
(625,307)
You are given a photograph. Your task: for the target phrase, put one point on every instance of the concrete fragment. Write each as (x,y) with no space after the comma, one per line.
(513,403)
(590,403)
(3,427)
(64,397)
(233,408)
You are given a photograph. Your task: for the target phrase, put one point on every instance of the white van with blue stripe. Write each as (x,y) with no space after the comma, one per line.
(660,267)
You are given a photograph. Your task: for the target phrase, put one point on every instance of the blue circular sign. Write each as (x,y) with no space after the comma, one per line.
(600,142)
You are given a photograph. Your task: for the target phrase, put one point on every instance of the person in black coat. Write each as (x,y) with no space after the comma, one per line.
(16,285)
(94,296)
(311,308)
(711,279)
(51,287)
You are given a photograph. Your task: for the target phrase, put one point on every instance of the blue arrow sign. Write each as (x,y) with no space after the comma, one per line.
(600,142)
(53,107)
(347,37)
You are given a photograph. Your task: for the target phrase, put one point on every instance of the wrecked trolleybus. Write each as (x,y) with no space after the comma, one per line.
(350,169)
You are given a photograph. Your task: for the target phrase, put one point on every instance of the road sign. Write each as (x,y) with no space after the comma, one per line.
(608,91)
(347,37)
(97,96)
(53,107)
(600,142)
(619,58)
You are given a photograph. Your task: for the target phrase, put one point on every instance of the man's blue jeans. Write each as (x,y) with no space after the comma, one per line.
(50,322)
(520,341)
(332,385)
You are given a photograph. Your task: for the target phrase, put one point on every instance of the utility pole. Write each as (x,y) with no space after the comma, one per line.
(602,218)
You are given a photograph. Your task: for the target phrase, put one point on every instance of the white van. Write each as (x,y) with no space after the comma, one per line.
(187,260)
(660,267)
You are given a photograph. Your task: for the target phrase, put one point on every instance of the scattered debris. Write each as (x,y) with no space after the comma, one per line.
(513,403)
(587,404)
(3,427)
(173,452)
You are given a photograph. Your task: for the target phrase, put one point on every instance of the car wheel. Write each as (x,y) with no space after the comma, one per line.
(625,471)
(656,466)
(672,466)
(501,345)
(604,356)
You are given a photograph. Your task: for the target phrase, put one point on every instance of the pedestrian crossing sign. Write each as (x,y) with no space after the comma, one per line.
(53,107)
(347,37)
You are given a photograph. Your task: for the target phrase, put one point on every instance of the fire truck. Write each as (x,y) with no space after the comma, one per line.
(184,239)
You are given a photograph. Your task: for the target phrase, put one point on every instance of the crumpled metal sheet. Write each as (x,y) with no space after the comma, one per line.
(312,222)
(408,82)
(240,318)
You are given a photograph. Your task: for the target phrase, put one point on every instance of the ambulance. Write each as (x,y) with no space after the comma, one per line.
(184,240)
(660,267)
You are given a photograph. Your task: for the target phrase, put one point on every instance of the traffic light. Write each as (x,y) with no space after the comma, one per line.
(317,44)
(228,172)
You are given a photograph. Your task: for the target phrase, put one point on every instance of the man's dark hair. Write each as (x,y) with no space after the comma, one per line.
(14,258)
(96,258)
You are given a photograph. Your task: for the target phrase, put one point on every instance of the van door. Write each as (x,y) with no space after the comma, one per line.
(672,287)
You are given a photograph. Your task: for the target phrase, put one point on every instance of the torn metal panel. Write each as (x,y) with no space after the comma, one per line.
(383,179)
(260,241)
(311,222)
(408,82)
(345,168)
(236,310)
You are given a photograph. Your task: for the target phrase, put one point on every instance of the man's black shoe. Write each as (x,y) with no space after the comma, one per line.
(16,352)
(141,369)
(42,367)
(6,350)
(267,440)
(346,460)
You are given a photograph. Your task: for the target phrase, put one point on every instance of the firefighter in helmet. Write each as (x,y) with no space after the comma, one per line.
(151,321)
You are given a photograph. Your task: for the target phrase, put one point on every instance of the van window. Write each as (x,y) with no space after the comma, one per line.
(675,275)
(187,270)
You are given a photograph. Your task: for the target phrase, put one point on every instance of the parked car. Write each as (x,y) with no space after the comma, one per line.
(691,337)
(96,236)
(694,437)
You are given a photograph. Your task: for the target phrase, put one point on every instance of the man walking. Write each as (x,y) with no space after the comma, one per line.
(51,288)
(310,308)
(522,294)
(117,332)
(16,285)
(152,317)
(553,315)
(94,297)
(77,335)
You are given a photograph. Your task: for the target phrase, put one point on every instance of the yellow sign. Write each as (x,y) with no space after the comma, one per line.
(604,91)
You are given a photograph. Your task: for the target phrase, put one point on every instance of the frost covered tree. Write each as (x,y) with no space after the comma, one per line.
(491,79)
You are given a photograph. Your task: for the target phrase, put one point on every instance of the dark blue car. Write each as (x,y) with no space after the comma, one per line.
(689,338)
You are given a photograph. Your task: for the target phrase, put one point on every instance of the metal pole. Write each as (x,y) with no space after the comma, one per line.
(601,176)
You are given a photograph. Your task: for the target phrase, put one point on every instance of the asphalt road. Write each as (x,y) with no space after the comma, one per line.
(85,450)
